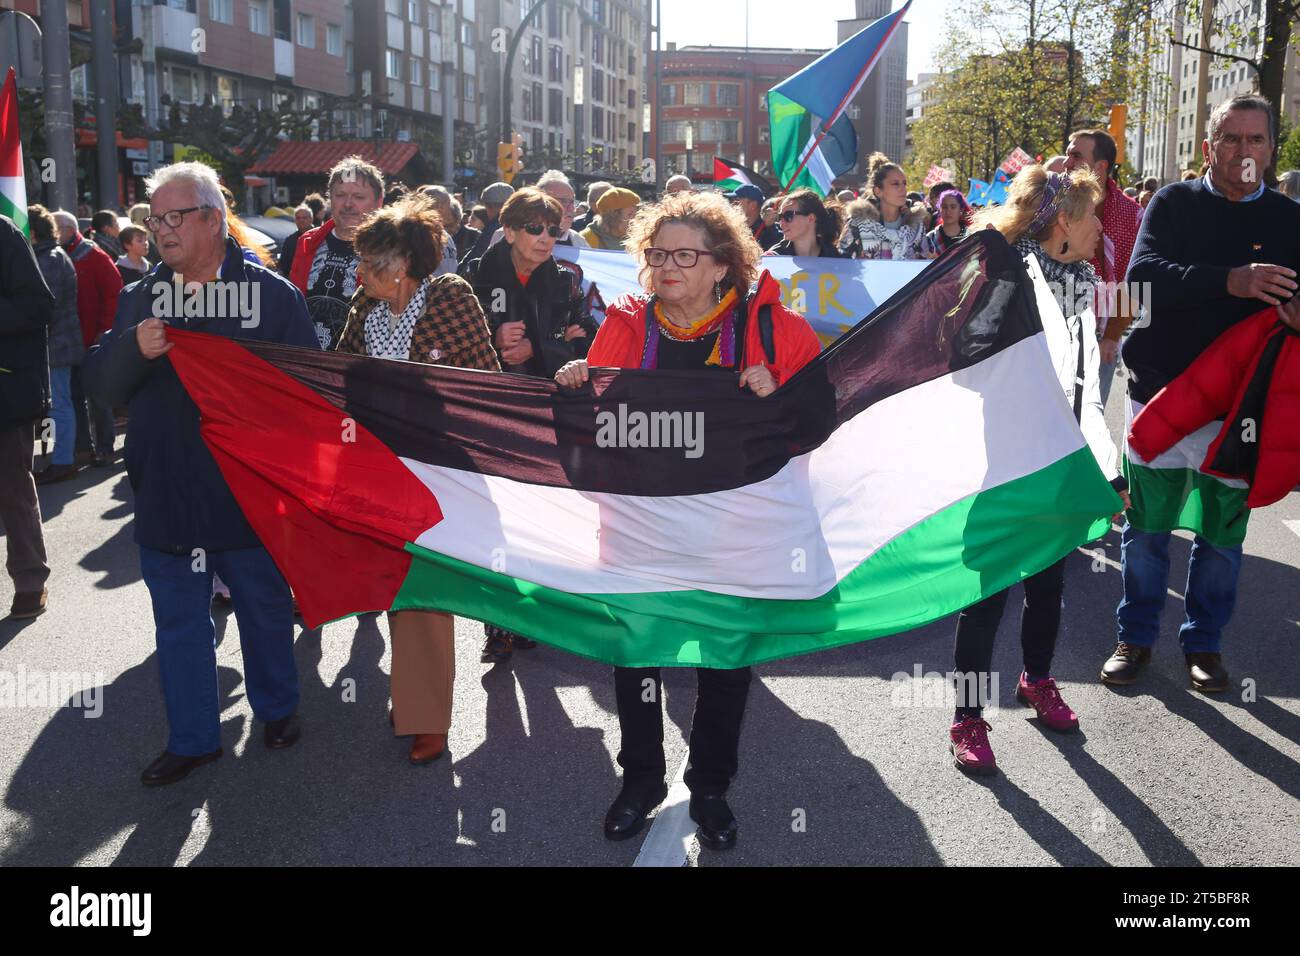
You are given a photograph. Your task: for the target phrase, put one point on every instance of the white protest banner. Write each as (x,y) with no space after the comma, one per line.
(832,294)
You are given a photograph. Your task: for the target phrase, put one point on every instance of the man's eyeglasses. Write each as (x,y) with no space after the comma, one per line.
(684,258)
(789,214)
(173,218)
(536,229)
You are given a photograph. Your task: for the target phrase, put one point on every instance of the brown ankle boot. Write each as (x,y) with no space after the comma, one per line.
(426,748)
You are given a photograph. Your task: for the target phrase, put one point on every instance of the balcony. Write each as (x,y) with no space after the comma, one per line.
(172,29)
(284,58)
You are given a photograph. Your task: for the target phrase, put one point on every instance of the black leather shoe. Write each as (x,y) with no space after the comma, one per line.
(170,767)
(283,732)
(627,813)
(1207,672)
(717,823)
(1123,666)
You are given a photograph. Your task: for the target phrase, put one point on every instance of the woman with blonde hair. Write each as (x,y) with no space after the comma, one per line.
(884,224)
(1051,220)
(403,310)
(698,259)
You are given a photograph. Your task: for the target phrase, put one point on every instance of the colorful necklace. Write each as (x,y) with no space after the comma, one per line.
(720,319)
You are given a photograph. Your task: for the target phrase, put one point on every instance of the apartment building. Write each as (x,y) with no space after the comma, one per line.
(1162,136)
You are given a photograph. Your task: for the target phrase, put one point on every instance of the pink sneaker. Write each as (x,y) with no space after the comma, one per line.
(1045,698)
(970,746)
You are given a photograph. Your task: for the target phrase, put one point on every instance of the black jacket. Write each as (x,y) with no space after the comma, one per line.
(181,500)
(26,310)
(549,304)
(766,236)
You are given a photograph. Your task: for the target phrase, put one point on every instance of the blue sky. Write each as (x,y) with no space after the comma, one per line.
(771,24)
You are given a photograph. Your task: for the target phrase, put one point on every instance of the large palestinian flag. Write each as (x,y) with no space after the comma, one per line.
(925,460)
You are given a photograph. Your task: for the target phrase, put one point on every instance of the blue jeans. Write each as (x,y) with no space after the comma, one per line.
(93,420)
(1211,591)
(187,658)
(65,418)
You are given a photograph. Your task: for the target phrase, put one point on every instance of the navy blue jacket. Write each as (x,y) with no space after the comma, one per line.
(1188,241)
(181,500)
(26,308)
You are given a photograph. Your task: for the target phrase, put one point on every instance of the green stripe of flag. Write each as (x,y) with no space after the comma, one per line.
(946,562)
(791,129)
(1169,498)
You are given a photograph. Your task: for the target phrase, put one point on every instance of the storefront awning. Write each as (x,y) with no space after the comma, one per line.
(302,158)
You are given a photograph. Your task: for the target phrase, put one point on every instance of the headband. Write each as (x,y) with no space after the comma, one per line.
(1058,184)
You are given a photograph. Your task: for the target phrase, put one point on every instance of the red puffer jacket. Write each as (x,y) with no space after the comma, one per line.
(619,342)
(1250,377)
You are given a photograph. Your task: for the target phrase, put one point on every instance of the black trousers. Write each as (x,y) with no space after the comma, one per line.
(715,728)
(977,626)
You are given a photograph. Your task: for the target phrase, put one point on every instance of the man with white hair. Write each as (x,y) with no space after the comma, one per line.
(98,283)
(187,523)
(594,192)
(678,184)
(556,185)
(304,219)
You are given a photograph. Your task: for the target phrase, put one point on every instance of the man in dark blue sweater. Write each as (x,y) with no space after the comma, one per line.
(1210,252)
(187,523)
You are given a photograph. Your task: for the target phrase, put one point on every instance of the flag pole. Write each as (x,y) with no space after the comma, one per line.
(849,95)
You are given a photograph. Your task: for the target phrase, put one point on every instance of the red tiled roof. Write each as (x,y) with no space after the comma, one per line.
(307,158)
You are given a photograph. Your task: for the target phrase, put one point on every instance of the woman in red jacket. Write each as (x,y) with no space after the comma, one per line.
(698,260)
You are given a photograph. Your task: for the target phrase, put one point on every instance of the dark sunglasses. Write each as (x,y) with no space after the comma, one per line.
(536,229)
(788,215)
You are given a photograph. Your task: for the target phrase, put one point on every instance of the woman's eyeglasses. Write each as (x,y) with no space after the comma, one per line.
(789,214)
(173,218)
(536,229)
(684,258)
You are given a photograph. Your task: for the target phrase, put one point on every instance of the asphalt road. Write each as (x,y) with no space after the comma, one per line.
(839,765)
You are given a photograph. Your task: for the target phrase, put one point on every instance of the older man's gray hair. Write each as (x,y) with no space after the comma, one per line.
(351,169)
(552,176)
(65,219)
(207,187)
(1244,101)
(596,190)
(678,183)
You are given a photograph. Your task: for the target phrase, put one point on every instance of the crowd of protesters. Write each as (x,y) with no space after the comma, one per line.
(423,275)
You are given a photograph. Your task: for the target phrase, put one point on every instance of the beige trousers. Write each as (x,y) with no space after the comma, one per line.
(424,671)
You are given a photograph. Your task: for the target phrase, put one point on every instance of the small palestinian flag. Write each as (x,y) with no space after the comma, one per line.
(728,176)
(13,188)
(924,461)
(1173,490)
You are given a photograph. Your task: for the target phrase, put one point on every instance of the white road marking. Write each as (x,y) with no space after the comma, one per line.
(669,841)
(1292,524)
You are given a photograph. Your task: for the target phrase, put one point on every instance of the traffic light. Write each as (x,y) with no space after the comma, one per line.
(1118,119)
(510,158)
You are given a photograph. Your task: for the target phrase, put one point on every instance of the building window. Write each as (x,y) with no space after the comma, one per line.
(728,94)
(597,122)
(347,57)
(394,65)
(555,108)
(631,99)
(413,69)
(537,102)
(535,61)
(696,94)
(221,11)
(258,22)
(597,85)
(527,97)
(631,131)
(597,48)
(556,73)
(671,94)
(467,33)
(468,84)
(333,39)
(435,19)
(307,31)
(227,93)
(413,12)
(183,86)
